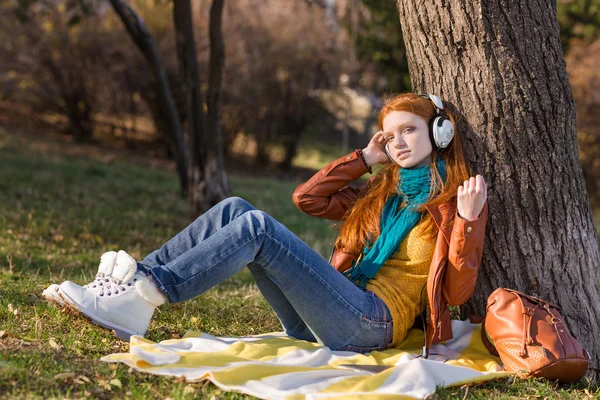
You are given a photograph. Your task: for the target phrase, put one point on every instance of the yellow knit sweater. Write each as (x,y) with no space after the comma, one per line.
(400,281)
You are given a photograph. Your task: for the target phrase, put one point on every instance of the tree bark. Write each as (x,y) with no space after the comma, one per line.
(501,65)
(207,176)
(143,40)
(216,164)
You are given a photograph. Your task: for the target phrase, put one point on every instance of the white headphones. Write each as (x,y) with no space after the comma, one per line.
(441,129)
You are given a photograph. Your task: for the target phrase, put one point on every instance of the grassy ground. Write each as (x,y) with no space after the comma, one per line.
(59,212)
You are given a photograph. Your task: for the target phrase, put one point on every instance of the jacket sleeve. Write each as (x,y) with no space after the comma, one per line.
(464,257)
(326,194)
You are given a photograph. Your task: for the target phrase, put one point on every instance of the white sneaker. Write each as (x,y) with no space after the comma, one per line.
(124,304)
(53,294)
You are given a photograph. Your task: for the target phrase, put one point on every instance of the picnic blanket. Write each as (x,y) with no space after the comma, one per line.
(275,366)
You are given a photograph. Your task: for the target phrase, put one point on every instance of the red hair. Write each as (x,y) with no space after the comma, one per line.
(362,222)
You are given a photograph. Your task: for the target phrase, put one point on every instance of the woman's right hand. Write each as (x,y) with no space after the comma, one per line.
(375,151)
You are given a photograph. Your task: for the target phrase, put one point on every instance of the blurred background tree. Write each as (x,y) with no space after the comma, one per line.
(301,82)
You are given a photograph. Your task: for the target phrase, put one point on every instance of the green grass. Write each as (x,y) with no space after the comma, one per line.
(58,213)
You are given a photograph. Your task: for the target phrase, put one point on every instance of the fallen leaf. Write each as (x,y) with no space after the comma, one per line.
(84,378)
(54,345)
(64,375)
(2,333)
(194,319)
(189,389)
(10,307)
(116,382)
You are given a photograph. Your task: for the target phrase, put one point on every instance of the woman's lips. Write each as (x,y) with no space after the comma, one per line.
(403,154)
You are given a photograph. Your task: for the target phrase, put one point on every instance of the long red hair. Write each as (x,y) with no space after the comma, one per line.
(361,223)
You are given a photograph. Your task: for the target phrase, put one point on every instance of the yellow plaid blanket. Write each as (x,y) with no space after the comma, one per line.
(275,366)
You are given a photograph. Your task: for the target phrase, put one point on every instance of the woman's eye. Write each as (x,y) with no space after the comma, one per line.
(390,138)
(408,130)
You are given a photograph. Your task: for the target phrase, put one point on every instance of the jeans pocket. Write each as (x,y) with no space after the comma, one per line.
(380,318)
(374,335)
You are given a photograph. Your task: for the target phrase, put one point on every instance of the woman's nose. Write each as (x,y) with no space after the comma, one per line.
(398,141)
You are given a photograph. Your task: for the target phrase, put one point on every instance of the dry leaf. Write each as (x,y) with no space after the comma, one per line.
(84,378)
(194,319)
(2,333)
(10,307)
(64,375)
(189,389)
(53,344)
(116,382)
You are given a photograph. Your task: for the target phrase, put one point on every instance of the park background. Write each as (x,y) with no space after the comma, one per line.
(88,160)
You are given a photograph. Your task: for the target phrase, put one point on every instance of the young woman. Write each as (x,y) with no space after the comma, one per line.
(420,222)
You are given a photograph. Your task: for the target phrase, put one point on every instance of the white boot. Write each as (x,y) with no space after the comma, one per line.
(108,261)
(53,294)
(124,304)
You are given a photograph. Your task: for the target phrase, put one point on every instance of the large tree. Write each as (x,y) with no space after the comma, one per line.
(500,63)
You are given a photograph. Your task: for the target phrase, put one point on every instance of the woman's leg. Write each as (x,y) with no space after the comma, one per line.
(291,322)
(202,228)
(339,314)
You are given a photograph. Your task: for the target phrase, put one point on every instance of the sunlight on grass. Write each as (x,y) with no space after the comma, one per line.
(59,213)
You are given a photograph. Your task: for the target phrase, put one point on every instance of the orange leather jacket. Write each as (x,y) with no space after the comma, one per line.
(458,250)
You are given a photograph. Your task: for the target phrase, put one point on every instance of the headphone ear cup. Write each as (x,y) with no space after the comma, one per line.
(387,151)
(442,131)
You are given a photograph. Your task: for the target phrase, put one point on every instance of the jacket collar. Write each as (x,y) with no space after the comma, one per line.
(443,215)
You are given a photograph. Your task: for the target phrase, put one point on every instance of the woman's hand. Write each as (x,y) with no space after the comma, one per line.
(375,151)
(471,198)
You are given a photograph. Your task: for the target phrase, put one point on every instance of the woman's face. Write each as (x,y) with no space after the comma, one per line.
(408,140)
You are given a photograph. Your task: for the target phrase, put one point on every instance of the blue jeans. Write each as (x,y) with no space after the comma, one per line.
(312,300)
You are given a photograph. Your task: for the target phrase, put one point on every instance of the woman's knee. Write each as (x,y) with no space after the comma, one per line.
(259,220)
(237,205)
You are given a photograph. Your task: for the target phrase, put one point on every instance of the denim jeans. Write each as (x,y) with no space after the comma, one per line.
(312,300)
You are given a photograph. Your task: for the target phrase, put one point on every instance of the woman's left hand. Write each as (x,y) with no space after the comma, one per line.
(472,195)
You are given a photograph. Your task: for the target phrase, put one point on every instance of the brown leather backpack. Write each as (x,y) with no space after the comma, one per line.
(531,338)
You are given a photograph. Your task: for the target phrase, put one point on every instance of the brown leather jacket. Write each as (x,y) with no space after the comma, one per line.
(459,245)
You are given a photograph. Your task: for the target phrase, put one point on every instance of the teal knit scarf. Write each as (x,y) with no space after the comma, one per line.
(396,222)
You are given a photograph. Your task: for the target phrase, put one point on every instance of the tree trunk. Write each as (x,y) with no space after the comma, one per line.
(206,173)
(216,163)
(501,65)
(143,40)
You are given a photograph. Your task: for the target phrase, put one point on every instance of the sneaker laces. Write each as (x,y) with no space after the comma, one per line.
(107,264)
(98,281)
(111,285)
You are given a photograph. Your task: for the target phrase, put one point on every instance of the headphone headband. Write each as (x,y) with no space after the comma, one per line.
(437,102)
(441,129)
